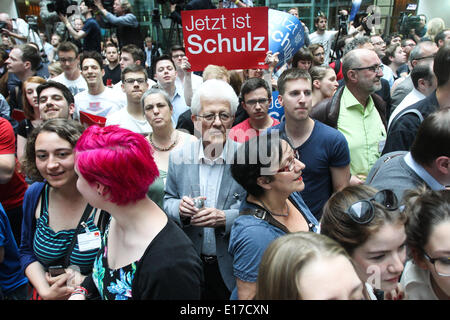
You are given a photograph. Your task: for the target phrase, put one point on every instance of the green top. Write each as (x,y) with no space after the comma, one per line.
(364,131)
(156,189)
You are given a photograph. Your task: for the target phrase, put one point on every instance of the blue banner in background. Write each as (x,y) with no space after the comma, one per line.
(286,34)
(276,110)
(355,8)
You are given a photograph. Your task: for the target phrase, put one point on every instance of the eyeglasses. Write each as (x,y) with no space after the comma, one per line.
(262,102)
(64,60)
(375,68)
(211,117)
(441,265)
(176,56)
(131,80)
(362,211)
(289,167)
(426,57)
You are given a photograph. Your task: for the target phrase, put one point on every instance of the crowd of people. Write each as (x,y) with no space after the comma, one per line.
(124,175)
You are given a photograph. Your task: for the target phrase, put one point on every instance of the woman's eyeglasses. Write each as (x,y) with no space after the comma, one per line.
(362,211)
(441,265)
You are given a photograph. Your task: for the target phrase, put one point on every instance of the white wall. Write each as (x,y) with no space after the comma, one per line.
(435,8)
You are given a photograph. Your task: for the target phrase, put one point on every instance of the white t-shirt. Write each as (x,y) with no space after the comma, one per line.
(127,121)
(102,104)
(325,40)
(417,283)
(75,86)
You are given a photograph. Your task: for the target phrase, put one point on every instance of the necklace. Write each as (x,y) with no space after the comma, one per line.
(276,214)
(163,148)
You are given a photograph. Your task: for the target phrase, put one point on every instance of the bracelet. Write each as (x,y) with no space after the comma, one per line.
(80,290)
(236,2)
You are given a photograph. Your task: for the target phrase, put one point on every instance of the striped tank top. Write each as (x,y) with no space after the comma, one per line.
(51,247)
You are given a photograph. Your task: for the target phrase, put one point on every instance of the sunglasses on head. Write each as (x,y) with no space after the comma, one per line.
(362,211)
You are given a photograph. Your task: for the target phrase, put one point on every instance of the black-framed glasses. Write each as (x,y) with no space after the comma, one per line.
(131,80)
(441,265)
(362,211)
(262,102)
(176,56)
(426,57)
(210,117)
(375,68)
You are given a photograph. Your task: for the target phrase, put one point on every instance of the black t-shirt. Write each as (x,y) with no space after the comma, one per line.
(92,40)
(113,74)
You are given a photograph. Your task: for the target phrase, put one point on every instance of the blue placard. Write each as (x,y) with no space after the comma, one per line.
(286,34)
(276,110)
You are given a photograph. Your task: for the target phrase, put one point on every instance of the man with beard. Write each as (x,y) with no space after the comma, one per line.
(134,84)
(112,70)
(357,111)
(98,99)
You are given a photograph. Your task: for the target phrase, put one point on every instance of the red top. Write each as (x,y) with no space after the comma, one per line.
(11,193)
(244,131)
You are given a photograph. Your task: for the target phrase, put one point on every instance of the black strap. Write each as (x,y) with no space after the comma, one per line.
(84,217)
(264,215)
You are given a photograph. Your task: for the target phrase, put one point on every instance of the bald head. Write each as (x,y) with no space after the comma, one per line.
(358,58)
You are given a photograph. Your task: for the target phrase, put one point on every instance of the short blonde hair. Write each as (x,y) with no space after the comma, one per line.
(215,72)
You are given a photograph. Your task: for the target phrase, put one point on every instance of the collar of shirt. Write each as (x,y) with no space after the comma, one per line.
(421,172)
(202,159)
(349,101)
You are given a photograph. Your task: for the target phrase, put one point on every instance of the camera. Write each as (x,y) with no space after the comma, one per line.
(2,25)
(60,6)
(32,22)
(343,23)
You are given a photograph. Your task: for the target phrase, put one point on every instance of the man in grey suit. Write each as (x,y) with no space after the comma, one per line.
(426,164)
(206,162)
(423,52)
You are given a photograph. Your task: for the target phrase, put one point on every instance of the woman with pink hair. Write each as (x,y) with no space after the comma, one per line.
(144,255)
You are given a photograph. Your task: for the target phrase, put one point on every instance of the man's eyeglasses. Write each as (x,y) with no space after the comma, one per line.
(426,57)
(176,56)
(131,80)
(210,117)
(441,265)
(262,102)
(64,60)
(374,68)
(362,211)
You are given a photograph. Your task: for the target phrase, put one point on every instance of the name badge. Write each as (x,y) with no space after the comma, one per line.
(89,241)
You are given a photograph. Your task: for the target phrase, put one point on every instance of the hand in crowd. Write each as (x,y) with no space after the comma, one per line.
(396,294)
(63,18)
(99,4)
(209,217)
(185,65)
(58,289)
(271,60)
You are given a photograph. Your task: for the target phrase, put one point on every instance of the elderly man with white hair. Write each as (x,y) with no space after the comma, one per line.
(206,163)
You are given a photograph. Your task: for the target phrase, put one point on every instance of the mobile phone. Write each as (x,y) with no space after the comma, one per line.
(56,270)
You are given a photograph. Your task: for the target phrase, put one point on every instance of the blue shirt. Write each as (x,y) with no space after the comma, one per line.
(326,147)
(11,273)
(250,237)
(93,35)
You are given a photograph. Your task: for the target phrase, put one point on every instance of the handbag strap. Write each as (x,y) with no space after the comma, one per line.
(84,217)
(264,215)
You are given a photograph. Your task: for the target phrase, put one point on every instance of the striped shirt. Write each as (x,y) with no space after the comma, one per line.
(51,247)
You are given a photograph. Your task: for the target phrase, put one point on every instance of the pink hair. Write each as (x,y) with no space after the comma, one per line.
(118,158)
